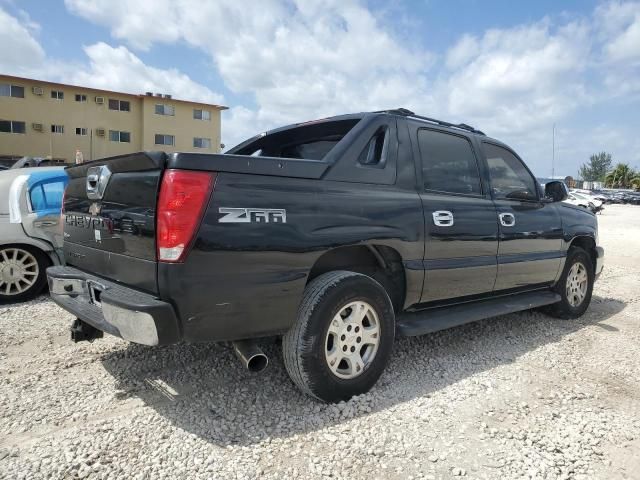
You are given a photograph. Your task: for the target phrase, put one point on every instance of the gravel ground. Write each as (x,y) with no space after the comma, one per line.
(518,396)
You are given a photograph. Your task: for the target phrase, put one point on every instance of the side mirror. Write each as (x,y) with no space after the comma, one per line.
(556,191)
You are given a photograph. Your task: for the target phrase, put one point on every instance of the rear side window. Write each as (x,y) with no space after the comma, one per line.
(375,153)
(448,163)
(510,179)
(47,196)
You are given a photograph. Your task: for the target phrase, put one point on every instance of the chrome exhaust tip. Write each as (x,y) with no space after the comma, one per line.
(251,356)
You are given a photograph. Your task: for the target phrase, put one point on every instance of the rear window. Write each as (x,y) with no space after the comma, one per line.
(312,141)
(47,196)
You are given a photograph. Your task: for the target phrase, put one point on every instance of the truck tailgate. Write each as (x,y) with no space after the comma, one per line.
(110,218)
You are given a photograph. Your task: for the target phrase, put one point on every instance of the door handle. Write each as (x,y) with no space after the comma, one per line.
(507,219)
(443,218)
(45,223)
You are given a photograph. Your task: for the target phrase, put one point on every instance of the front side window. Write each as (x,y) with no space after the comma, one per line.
(162,139)
(57,128)
(81,97)
(448,163)
(162,109)
(57,94)
(201,142)
(81,131)
(199,114)
(509,177)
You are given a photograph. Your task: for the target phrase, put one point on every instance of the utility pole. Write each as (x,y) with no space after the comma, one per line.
(553,152)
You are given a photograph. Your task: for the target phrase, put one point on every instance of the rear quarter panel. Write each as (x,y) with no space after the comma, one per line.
(246,279)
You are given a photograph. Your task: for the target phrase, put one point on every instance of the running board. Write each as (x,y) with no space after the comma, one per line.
(440,318)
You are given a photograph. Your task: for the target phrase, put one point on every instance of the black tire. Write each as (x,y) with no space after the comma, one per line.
(304,345)
(564,309)
(30,292)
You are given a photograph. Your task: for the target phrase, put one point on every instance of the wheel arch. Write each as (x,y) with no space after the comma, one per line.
(382,263)
(41,245)
(588,244)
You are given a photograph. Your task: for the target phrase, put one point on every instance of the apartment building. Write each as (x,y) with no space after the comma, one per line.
(54,120)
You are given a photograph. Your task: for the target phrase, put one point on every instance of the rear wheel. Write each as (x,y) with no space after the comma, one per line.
(575,286)
(343,336)
(22,273)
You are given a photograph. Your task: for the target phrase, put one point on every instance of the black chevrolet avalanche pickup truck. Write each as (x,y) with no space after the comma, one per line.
(335,235)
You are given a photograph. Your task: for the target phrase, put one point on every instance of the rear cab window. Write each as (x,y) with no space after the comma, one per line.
(449,164)
(312,140)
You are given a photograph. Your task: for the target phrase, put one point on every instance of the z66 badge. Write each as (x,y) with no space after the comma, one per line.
(250,215)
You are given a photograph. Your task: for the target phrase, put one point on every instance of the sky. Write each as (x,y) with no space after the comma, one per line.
(511,69)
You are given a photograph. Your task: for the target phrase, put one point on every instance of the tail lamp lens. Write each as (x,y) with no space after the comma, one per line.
(183,198)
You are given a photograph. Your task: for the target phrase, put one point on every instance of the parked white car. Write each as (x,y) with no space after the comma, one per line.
(30,229)
(590,198)
(579,202)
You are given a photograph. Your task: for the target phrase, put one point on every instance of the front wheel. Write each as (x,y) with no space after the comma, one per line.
(343,336)
(575,286)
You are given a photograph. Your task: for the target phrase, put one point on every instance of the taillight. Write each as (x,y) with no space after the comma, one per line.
(183,198)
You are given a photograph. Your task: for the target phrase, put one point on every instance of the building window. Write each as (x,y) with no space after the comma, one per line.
(12,126)
(162,109)
(81,97)
(8,90)
(57,128)
(162,139)
(201,142)
(121,105)
(117,136)
(201,114)
(57,94)
(81,131)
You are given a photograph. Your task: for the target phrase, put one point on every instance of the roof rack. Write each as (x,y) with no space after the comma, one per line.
(408,113)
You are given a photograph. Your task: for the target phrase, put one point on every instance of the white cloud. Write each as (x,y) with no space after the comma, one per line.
(20,51)
(620,27)
(116,68)
(112,68)
(512,80)
(299,59)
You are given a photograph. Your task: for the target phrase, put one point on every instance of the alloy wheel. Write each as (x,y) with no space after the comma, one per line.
(352,340)
(577,283)
(19,270)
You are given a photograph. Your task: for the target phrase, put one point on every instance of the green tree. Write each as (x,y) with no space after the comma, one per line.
(596,169)
(622,176)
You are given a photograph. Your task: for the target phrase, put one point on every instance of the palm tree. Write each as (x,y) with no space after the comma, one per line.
(622,176)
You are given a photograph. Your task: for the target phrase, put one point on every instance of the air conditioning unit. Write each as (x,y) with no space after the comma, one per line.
(100,100)
(100,132)
(37,127)
(37,90)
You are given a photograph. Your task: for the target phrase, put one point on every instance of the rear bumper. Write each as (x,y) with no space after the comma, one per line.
(599,261)
(124,312)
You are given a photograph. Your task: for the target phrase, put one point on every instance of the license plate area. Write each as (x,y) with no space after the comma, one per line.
(95,291)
